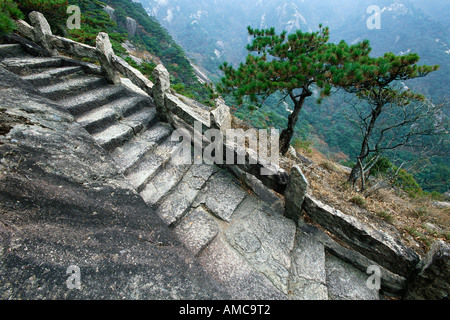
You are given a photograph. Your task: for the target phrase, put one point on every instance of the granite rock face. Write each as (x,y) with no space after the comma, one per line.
(131,27)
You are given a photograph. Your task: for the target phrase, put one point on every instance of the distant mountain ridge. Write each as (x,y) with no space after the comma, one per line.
(215,31)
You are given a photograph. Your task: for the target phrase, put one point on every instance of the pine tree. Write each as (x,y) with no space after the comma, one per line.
(374,80)
(8,12)
(288,64)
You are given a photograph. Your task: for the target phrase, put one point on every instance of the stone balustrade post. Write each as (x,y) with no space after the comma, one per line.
(295,193)
(220,117)
(160,89)
(25,29)
(42,33)
(105,54)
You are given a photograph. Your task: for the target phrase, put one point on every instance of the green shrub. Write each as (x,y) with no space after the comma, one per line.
(55,11)
(383,165)
(386,216)
(436,196)
(403,179)
(358,200)
(146,68)
(348,163)
(304,145)
(407,182)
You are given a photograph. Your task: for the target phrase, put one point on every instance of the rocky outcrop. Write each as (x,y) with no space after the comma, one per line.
(375,244)
(110,11)
(431,282)
(130,24)
(131,27)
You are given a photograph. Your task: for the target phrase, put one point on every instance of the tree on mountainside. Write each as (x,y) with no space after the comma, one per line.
(392,115)
(291,65)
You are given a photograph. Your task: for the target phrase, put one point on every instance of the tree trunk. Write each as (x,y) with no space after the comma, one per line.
(356,171)
(287,134)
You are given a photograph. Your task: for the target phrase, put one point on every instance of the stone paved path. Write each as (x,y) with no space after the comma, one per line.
(245,244)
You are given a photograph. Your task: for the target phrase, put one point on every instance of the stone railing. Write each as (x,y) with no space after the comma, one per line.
(112,65)
(173,108)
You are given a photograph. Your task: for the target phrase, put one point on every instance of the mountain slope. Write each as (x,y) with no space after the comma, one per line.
(143,37)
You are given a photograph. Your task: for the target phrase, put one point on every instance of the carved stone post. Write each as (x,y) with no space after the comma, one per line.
(42,33)
(105,54)
(25,29)
(295,193)
(161,87)
(220,118)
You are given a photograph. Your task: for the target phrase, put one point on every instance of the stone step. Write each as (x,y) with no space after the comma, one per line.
(131,153)
(151,164)
(88,101)
(141,120)
(197,230)
(70,87)
(163,182)
(27,65)
(234,273)
(307,279)
(345,282)
(52,76)
(96,120)
(11,50)
(222,195)
(266,241)
(114,136)
(175,205)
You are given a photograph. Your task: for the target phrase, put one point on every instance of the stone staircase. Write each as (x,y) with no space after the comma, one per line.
(244,243)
